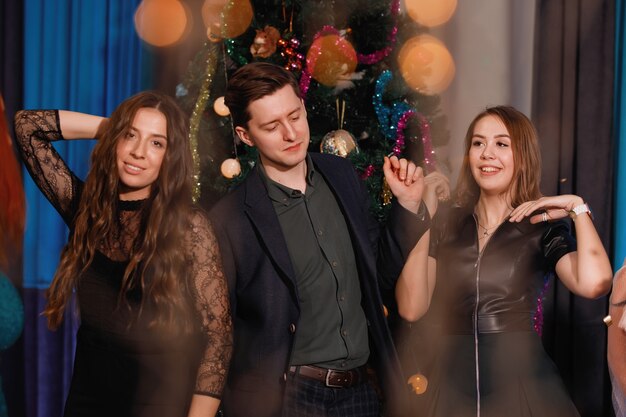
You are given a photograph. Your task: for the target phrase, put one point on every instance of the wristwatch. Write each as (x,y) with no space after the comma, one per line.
(580,209)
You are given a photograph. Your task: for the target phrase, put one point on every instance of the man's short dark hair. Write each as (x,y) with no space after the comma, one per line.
(252,82)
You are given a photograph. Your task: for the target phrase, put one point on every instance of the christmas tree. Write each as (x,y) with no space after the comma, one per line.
(366,71)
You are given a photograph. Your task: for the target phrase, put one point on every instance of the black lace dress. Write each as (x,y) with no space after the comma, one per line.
(123,366)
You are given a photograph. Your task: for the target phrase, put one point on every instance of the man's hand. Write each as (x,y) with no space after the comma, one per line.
(406,181)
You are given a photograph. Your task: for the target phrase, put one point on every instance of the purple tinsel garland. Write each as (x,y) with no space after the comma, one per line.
(429,153)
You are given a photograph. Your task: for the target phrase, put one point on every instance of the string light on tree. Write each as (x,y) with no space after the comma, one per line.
(290,53)
(221,108)
(230,168)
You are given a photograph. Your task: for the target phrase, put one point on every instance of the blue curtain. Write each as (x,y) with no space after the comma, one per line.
(620,129)
(83,56)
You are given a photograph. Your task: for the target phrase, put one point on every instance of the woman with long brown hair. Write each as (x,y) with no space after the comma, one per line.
(155,333)
(481,269)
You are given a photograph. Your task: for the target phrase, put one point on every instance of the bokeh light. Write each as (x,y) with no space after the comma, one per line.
(430,12)
(230,168)
(426,64)
(226,18)
(162,22)
(418,383)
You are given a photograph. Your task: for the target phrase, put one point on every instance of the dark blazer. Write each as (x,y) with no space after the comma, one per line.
(263,293)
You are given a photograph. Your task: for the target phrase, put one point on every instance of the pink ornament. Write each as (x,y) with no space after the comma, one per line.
(368,172)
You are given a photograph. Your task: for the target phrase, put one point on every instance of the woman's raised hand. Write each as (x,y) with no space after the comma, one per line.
(551,208)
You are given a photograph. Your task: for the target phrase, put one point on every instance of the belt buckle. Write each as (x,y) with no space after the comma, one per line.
(327,380)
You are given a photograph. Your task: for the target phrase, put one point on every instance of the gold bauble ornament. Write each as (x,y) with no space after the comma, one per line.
(331,58)
(338,142)
(418,383)
(230,168)
(221,108)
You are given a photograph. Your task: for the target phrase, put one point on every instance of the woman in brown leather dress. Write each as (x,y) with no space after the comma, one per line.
(480,271)
(155,333)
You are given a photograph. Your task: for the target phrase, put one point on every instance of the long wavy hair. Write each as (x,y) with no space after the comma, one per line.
(157,264)
(526,158)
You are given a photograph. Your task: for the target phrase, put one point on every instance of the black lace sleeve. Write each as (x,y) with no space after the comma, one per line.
(213,307)
(34,131)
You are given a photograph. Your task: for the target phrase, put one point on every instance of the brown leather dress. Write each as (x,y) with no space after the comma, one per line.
(479,345)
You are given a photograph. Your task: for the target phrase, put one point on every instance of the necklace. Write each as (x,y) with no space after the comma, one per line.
(487,230)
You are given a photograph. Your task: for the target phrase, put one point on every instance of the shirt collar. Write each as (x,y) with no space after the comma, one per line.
(282,194)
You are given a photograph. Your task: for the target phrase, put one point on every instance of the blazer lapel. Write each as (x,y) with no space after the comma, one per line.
(346,196)
(259,209)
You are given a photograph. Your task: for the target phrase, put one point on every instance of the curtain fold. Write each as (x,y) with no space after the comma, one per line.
(572,109)
(619,238)
(83,56)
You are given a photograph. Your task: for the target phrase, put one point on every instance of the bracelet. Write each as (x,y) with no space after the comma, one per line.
(580,209)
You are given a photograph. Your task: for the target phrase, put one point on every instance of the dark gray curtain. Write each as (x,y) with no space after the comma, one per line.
(572,109)
(11,46)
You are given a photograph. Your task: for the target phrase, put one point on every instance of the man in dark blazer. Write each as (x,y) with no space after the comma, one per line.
(304,261)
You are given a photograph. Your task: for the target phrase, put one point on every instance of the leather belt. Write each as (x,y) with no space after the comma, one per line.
(491,323)
(333,378)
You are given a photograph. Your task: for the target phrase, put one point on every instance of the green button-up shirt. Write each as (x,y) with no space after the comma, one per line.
(332,331)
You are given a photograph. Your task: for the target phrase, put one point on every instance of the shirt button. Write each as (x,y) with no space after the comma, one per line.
(344,332)
(292,328)
(342,297)
(319,232)
(334,264)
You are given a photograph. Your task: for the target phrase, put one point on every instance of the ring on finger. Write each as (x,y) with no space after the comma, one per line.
(544,217)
